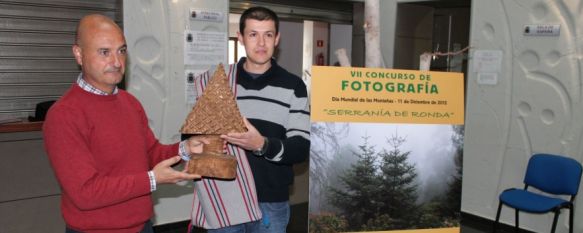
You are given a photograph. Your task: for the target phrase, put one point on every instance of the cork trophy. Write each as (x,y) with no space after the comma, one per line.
(214,113)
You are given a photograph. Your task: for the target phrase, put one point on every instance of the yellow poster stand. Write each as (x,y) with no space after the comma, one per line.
(349,94)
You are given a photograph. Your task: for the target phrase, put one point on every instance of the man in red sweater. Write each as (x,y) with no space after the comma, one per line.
(104,155)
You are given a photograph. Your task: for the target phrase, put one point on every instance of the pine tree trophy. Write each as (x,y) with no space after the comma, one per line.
(214,113)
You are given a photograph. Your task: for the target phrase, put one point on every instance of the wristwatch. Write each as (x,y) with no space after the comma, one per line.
(261,151)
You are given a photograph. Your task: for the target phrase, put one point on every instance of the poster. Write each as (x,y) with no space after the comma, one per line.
(350,94)
(387,148)
(204,48)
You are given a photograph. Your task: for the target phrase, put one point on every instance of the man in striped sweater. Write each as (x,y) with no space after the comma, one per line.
(276,107)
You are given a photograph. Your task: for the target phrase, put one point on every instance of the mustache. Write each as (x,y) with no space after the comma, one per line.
(114,70)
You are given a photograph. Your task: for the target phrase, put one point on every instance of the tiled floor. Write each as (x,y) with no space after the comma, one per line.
(298,224)
(463,229)
(473,224)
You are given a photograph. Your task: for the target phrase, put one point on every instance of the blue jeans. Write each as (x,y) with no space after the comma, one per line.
(275,220)
(239,228)
(147,228)
(275,217)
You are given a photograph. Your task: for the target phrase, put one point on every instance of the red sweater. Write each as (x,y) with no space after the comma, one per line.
(101,148)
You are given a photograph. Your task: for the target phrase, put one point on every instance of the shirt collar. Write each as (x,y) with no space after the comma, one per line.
(90,88)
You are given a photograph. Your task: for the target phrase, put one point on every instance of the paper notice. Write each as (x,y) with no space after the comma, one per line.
(487,61)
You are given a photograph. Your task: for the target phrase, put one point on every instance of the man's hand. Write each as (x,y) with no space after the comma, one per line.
(194,144)
(165,174)
(250,140)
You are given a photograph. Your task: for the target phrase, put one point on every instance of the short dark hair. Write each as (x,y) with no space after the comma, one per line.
(258,13)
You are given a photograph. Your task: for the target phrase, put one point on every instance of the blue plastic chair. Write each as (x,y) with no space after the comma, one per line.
(551,174)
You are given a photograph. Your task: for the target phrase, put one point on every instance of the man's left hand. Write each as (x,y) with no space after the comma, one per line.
(250,140)
(195,144)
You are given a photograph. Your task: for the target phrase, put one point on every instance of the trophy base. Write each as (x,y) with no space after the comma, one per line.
(213,165)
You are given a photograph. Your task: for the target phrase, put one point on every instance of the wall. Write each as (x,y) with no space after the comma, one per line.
(289,56)
(358,54)
(289,51)
(155,35)
(340,38)
(307,50)
(388,18)
(413,35)
(531,103)
(30,198)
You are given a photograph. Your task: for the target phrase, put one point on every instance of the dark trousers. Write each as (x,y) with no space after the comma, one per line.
(147,229)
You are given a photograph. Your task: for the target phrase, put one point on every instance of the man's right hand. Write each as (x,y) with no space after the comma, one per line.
(165,174)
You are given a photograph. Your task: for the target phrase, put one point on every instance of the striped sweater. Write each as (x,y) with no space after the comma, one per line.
(276,103)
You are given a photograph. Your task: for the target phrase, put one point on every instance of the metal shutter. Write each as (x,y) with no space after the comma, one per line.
(36,62)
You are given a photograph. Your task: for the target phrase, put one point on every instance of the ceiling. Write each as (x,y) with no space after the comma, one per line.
(332,11)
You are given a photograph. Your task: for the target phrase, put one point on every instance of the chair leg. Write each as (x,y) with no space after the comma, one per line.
(555,219)
(571,216)
(516,228)
(497,217)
